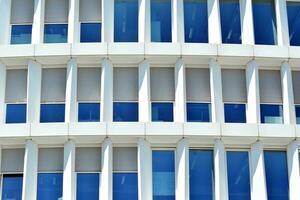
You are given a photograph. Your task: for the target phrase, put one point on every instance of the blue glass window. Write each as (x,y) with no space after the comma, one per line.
(297,108)
(90,32)
(89,112)
(238,175)
(264,19)
(49,186)
(125,186)
(126,112)
(87,186)
(12,186)
(56,33)
(195,21)
(198,112)
(235,113)
(21,34)
(16,113)
(162,112)
(163,167)
(271,114)
(161,30)
(230,21)
(293,12)
(276,175)
(201,175)
(126,21)
(52,113)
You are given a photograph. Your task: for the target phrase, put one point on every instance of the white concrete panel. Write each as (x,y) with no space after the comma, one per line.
(180,92)
(69,179)
(144,92)
(106,170)
(38,22)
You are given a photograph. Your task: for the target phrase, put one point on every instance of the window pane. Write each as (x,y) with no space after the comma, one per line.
(163,167)
(87,186)
(297,108)
(125,186)
(49,186)
(52,113)
(21,34)
(293,11)
(16,113)
(126,21)
(264,19)
(126,112)
(56,33)
(198,112)
(162,112)
(235,113)
(161,21)
(12,186)
(238,175)
(271,114)
(201,175)
(89,112)
(276,175)
(90,32)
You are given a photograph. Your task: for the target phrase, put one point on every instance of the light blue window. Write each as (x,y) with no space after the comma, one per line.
(238,175)
(161,28)
(125,112)
(163,168)
(264,19)
(235,113)
(297,108)
(276,175)
(89,112)
(90,32)
(21,34)
(56,33)
(125,186)
(16,113)
(52,113)
(49,186)
(230,21)
(126,21)
(87,186)
(201,175)
(198,112)
(12,186)
(293,12)
(162,112)
(195,21)
(271,114)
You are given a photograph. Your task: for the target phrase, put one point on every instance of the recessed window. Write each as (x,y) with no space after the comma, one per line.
(56,33)
(293,12)
(49,186)
(271,114)
(162,112)
(235,113)
(198,112)
(90,32)
(88,112)
(52,113)
(88,186)
(15,113)
(21,34)
(12,186)
(125,112)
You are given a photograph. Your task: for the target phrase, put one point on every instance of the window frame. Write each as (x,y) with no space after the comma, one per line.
(22,24)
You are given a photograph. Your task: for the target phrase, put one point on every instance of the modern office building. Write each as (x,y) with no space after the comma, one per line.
(149,99)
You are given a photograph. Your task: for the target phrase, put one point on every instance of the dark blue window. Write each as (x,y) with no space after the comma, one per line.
(271,114)
(12,186)
(198,112)
(195,21)
(162,112)
(276,175)
(230,21)
(238,175)
(163,168)
(89,112)
(161,21)
(264,19)
(235,113)
(16,113)
(201,175)
(52,113)
(125,186)
(126,112)
(87,186)
(21,34)
(293,11)
(90,32)
(126,21)
(56,33)
(297,108)
(49,186)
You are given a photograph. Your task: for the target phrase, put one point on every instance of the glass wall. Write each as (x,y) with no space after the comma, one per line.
(49,186)
(16,113)
(293,12)
(21,34)
(235,113)
(271,114)
(87,186)
(12,186)
(125,186)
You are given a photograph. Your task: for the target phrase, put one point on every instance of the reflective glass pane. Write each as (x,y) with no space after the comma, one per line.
(21,34)
(49,186)
(87,186)
(52,113)
(12,186)
(163,167)
(238,175)
(293,11)
(161,21)
(201,175)
(126,112)
(89,112)
(276,175)
(125,186)
(195,21)
(162,112)
(271,114)
(56,33)
(16,113)
(126,21)
(235,113)
(198,112)
(297,108)
(90,32)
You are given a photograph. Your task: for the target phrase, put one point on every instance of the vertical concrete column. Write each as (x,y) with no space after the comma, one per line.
(30,171)
(293,170)
(2,92)
(247,28)
(214,22)
(38,22)
(144,170)
(177,21)
(144,92)
(182,170)
(108,20)
(69,178)
(73,21)
(282,23)
(106,170)
(144,21)
(5,10)
(106,91)
(257,172)
(180,95)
